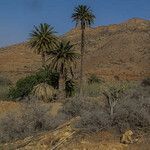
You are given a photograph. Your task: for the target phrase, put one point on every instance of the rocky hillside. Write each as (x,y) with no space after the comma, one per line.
(120,51)
(17,61)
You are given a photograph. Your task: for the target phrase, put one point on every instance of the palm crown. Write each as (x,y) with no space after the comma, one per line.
(63,58)
(83,16)
(42,38)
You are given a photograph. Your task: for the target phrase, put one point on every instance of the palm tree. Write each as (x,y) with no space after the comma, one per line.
(42,39)
(83,17)
(63,60)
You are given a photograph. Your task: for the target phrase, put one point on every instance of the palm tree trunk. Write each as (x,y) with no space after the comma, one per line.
(43,59)
(82,63)
(61,87)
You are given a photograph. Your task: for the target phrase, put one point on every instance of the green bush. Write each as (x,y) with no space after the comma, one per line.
(70,88)
(25,85)
(48,76)
(94,79)
(146,82)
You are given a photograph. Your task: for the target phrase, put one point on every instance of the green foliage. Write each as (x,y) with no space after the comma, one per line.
(94,79)
(70,88)
(83,16)
(48,76)
(146,82)
(25,85)
(63,58)
(42,38)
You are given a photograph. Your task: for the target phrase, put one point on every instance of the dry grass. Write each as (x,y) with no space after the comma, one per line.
(6,106)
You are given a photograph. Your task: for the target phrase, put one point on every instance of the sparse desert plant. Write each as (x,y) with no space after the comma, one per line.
(4,87)
(4,91)
(44,92)
(4,81)
(92,90)
(72,107)
(134,109)
(92,114)
(131,109)
(114,93)
(31,118)
(94,120)
(94,79)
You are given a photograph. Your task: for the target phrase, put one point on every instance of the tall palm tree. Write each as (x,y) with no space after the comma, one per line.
(42,39)
(63,60)
(83,17)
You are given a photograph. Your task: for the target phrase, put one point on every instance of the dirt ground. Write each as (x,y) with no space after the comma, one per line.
(6,106)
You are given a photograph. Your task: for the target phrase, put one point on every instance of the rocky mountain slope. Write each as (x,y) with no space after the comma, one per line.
(120,51)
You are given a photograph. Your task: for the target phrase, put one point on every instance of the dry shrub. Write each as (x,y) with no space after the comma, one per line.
(93,115)
(94,120)
(131,111)
(134,109)
(44,92)
(4,87)
(33,117)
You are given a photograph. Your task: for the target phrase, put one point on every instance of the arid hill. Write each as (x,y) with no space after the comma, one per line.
(120,51)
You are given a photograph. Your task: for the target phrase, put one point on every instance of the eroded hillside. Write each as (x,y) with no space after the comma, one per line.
(120,50)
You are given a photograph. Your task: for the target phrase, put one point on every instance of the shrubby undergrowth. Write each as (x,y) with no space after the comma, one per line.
(4,87)
(25,85)
(132,111)
(30,119)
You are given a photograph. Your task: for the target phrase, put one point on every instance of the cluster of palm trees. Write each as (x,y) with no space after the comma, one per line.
(60,54)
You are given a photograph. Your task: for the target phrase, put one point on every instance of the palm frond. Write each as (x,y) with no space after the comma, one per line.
(63,58)
(83,16)
(42,38)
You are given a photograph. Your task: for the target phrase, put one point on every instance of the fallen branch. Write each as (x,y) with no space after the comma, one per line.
(62,141)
